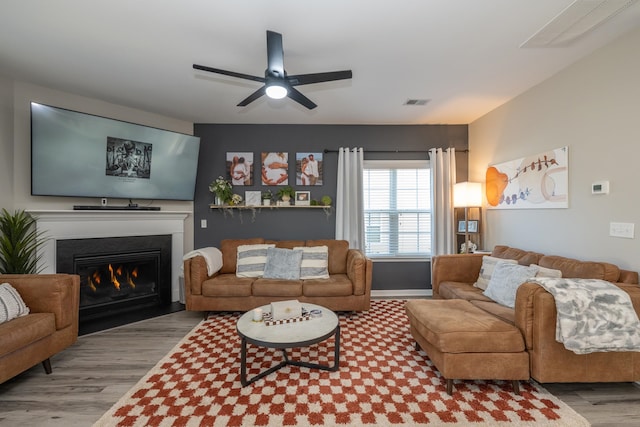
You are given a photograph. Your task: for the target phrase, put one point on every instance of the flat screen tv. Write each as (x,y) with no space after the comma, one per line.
(81,155)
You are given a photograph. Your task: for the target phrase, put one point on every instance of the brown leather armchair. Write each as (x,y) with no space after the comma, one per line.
(50,327)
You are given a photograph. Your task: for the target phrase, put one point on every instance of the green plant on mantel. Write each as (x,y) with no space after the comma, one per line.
(285,193)
(19,243)
(223,190)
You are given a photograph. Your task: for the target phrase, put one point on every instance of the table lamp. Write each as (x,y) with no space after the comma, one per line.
(467,195)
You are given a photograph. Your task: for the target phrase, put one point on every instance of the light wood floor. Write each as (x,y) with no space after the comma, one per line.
(89,377)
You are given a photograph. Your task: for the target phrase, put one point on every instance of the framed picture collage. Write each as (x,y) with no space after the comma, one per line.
(274,169)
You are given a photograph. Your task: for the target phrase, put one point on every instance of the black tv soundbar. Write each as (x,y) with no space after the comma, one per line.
(115,208)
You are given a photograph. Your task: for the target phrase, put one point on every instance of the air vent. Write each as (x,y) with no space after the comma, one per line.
(576,20)
(416,102)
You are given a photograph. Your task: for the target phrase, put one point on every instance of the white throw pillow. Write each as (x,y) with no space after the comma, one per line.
(546,272)
(11,303)
(488,264)
(505,280)
(315,262)
(251,260)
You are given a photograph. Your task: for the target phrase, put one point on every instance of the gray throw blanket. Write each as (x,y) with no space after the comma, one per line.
(593,315)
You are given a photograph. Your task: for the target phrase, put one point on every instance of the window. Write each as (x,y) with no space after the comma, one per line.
(397,208)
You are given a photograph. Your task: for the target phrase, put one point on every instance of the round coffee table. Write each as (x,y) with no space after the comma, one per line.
(288,335)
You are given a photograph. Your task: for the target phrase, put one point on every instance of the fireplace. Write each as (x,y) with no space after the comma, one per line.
(93,226)
(118,274)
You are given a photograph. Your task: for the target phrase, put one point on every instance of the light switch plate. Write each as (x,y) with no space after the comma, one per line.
(621,229)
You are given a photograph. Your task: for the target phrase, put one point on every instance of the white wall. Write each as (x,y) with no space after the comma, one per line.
(594,108)
(23,94)
(6,144)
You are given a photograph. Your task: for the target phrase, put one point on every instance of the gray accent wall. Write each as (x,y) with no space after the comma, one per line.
(410,142)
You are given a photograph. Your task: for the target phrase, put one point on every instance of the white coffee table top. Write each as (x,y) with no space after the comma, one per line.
(289,335)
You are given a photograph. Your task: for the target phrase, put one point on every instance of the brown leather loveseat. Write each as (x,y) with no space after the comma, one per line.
(51,325)
(535,313)
(348,287)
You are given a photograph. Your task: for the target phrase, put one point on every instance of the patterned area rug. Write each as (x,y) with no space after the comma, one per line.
(382,381)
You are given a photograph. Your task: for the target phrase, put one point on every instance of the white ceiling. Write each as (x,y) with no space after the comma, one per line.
(463,55)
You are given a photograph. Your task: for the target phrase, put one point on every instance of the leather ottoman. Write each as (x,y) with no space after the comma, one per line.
(465,342)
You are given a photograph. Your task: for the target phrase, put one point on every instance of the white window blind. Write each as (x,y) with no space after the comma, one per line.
(397,208)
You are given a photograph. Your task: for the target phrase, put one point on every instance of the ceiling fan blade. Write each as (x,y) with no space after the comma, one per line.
(275,76)
(300,98)
(229,73)
(305,79)
(275,54)
(255,95)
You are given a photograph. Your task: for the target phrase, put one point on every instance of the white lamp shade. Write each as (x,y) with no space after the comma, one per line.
(276,91)
(467,194)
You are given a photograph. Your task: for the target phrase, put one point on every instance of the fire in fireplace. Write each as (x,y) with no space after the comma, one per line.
(115,278)
(118,274)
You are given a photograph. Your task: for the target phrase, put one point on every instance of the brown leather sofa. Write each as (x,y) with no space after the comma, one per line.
(348,287)
(535,313)
(50,326)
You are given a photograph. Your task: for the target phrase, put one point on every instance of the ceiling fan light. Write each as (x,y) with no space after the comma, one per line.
(276,91)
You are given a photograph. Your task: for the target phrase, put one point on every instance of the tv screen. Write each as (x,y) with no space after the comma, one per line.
(82,155)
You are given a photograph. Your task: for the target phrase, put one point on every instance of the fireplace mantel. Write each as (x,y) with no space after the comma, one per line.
(71,224)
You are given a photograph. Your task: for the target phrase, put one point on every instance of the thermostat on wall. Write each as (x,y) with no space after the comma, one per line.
(600,187)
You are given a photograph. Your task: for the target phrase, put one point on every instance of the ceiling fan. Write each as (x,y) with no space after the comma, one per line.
(277,84)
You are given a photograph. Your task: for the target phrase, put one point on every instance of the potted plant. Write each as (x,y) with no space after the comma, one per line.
(236,199)
(222,189)
(19,243)
(286,193)
(266,197)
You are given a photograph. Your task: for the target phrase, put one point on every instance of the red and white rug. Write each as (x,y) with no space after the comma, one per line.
(382,381)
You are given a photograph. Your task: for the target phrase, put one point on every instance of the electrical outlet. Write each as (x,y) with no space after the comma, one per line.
(621,229)
(203,223)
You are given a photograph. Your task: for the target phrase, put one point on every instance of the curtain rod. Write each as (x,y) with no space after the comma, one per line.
(326,150)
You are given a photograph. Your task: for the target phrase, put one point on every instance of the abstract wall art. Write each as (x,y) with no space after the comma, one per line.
(539,181)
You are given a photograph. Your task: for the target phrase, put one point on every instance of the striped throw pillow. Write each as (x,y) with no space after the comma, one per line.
(251,260)
(315,262)
(488,264)
(11,303)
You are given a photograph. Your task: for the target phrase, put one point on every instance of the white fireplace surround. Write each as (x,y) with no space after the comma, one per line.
(70,224)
